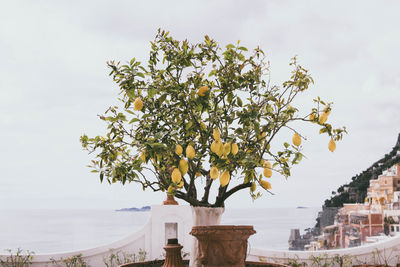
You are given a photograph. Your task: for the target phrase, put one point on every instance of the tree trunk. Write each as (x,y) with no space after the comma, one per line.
(203,216)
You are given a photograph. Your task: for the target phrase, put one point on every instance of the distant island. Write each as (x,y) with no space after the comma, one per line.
(144,208)
(301,207)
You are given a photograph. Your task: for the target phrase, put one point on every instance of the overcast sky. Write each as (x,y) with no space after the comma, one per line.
(54,82)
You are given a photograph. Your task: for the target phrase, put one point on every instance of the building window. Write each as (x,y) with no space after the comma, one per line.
(386,191)
(392,228)
(397,229)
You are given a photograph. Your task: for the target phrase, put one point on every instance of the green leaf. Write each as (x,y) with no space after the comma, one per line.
(157,146)
(239,101)
(242,48)
(230,46)
(151,92)
(246,178)
(229,97)
(256,127)
(133,120)
(300,157)
(131,94)
(323,130)
(188,125)
(286,144)
(239,131)
(162,98)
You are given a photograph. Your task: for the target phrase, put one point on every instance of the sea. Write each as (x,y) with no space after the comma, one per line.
(54,231)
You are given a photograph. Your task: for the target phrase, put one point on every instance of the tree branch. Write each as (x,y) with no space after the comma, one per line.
(207,188)
(235,189)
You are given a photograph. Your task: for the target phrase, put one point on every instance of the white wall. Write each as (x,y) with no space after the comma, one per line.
(151,238)
(383,252)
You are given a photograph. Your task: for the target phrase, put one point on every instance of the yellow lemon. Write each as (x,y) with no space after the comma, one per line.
(178,150)
(312,117)
(224,178)
(323,117)
(170,190)
(202,90)
(216,134)
(214,173)
(214,146)
(176,176)
(253,187)
(143,156)
(235,149)
(190,153)
(266,185)
(203,126)
(183,166)
(263,135)
(181,184)
(267,164)
(296,139)
(267,172)
(219,148)
(332,145)
(327,110)
(227,149)
(138,104)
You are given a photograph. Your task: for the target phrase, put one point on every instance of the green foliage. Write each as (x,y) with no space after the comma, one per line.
(379,258)
(376,258)
(322,260)
(295,262)
(73,261)
(118,258)
(19,259)
(163,107)
(343,260)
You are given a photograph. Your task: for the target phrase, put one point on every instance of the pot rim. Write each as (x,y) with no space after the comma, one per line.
(224,227)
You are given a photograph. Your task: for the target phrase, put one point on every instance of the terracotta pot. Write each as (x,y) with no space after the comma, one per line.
(222,245)
(173,257)
(170,200)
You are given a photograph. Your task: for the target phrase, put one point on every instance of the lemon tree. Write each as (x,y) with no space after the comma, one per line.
(199,112)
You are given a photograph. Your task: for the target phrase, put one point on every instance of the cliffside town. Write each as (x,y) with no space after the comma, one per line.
(365,210)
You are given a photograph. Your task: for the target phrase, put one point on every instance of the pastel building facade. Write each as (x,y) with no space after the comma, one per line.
(386,188)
